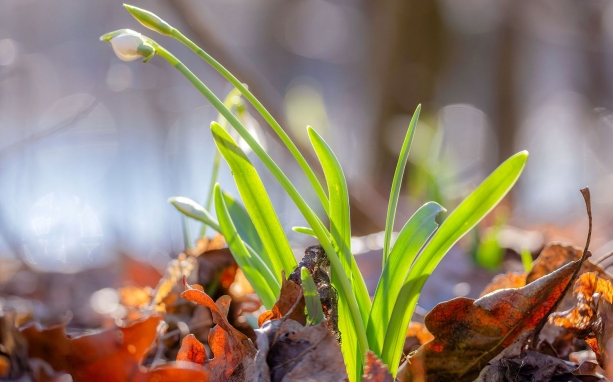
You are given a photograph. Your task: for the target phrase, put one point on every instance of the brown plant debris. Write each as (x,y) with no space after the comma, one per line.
(592,317)
(375,370)
(469,333)
(290,352)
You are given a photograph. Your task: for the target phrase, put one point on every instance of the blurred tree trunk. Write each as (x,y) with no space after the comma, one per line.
(409,40)
(408,43)
(504,117)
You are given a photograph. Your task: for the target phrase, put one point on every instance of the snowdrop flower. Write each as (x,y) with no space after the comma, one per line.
(129,45)
(150,20)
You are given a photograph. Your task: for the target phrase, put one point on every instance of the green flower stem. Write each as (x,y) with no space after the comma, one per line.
(263,112)
(310,216)
(228,102)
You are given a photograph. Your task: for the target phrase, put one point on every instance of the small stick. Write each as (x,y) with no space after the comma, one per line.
(588,205)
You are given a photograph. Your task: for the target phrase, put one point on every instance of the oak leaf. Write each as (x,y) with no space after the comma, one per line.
(469,333)
(555,255)
(591,318)
(192,350)
(233,352)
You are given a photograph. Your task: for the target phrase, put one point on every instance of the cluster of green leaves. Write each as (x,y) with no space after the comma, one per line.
(260,246)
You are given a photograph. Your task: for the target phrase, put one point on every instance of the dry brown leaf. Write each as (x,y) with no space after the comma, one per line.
(13,347)
(592,317)
(233,352)
(217,264)
(552,257)
(529,366)
(504,281)
(289,352)
(290,293)
(192,350)
(110,355)
(375,370)
(555,255)
(469,333)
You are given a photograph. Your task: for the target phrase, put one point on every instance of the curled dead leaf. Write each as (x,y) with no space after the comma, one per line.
(592,316)
(290,293)
(233,352)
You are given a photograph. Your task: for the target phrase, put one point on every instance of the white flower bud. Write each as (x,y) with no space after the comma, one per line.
(126,45)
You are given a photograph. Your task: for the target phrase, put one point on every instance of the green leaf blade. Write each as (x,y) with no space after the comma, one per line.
(244,224)
(256,271)
(279,255)
(315,313)
(410,241)
(397,184)
(474,208)
(340,225)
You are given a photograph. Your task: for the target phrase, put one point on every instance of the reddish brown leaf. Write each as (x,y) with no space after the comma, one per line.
(591,318)
(290,292)
(554,256)
(468,333)
(375,370)
(110,355)
(231,348)
(504,281)
(192,350)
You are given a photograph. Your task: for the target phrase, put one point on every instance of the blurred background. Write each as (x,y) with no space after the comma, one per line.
(92,147)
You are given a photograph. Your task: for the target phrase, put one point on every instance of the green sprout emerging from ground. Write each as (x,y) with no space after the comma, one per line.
(257,239)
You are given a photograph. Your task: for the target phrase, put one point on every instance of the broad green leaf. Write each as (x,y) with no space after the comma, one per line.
(256,271)
(244,225)
(315,314)
(481,201)
(396,184)
(279,253)
(340,231)
(340,225)
(410,241)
